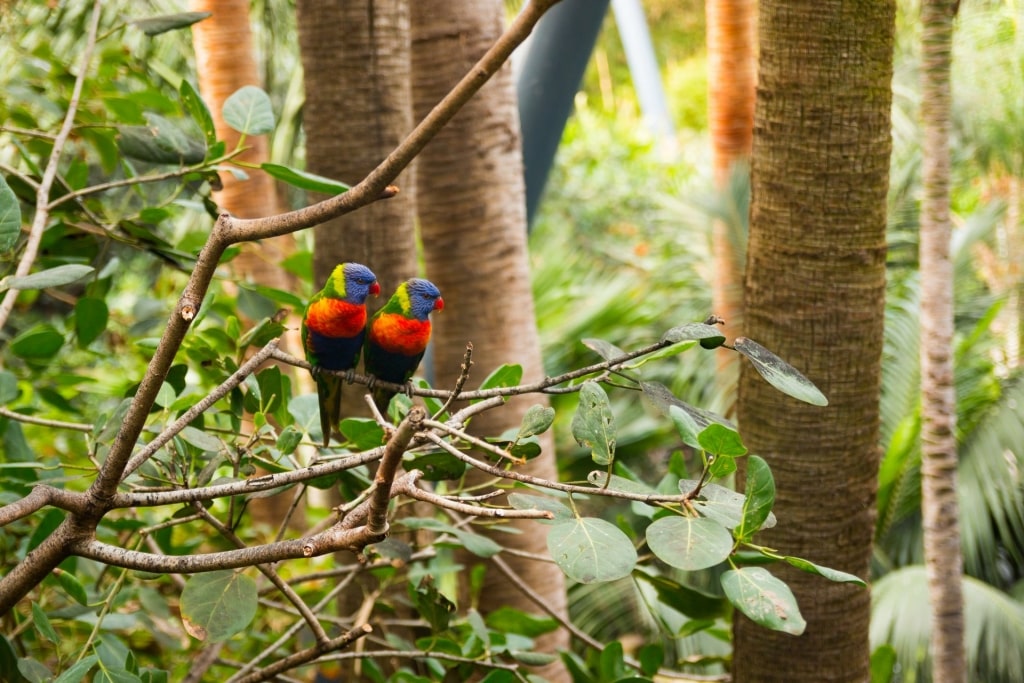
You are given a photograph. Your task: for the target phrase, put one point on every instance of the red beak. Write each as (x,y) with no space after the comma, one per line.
(439,304)
(375,288)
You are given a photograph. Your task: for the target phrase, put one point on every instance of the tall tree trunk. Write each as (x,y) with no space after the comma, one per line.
(472,214)
(815,286)
(355,55)
(939,505)
(225,61)
(732,80)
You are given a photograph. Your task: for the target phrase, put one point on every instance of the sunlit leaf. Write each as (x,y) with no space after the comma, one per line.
(248,110)
(591,550)
(507,375)
(689,543)
(216,605)
(362,433)
(51,277)
(304,180)
(780,374)
(593,425)
(721,440)
(764,599)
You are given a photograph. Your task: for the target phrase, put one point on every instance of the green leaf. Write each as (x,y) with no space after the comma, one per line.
(537,420)
(525,501)
(72,586)
(200,439)
(780,374)
(760,496)
(591,550)
(362,433)
(42,623)
(684,599)
(304,180)
(664,400)
(39,342)
(666,352)
(217,605)
(617,483)
(77,671)
(685,425)
(197,109)
(8,387)
(717,503)
(505,376)
(152,26)
(289,439)
(883,664)
(651,657)
(593,425)
(509,620)
(689,543)
(91,316)
(431,604)
(764,598)
(531,658)
(51,277)
(436,466)
(10,217)
(160,141)
(721,466)
(248,110)
(826,572)
(721,440)
(707,335)
(481,546)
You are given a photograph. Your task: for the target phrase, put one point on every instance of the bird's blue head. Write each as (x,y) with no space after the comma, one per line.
(421,298)
(353,282)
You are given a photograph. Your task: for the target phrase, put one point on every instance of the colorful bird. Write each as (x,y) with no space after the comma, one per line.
(332,334)
(397,335)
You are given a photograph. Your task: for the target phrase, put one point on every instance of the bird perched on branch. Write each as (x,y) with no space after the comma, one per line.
(397,336)
(333,328)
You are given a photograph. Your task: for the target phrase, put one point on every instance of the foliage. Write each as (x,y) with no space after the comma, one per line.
(125,223)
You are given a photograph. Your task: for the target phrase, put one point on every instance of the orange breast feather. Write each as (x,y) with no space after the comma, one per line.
(398,334)
(336,318)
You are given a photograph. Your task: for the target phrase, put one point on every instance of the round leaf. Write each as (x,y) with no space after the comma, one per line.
(721,440)
(217,605)
(248,110)
(537,420)
(764,598)
(689,543)
(591,550)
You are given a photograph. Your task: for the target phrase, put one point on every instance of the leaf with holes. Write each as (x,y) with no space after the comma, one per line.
(593,425)
(591,550)
(689,543)
(765,599)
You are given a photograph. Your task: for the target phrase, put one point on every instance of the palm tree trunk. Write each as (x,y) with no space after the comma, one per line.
(472,214)
(732,79)
(815,288)
(940,508)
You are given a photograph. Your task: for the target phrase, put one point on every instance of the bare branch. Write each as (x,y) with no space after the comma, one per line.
(31,420)
(306,656)
(41,496)
(377,517)
(406,485)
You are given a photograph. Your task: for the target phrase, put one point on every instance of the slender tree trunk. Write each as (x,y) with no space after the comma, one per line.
(732,80)
(939,505)
(473,220)
(225,61)
(815,286)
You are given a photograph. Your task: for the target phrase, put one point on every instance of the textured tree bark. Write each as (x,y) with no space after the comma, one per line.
(355,55)
(815,287)
(939,506)
(732,80)
(472,214)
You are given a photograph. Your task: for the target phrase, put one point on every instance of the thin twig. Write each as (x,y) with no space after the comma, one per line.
(467,363)
(407,486)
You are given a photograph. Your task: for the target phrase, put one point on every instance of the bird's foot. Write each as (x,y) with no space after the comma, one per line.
(350,375)
(408,389)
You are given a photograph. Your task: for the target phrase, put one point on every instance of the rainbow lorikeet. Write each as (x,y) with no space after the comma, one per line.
(397,335)
(332,334)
